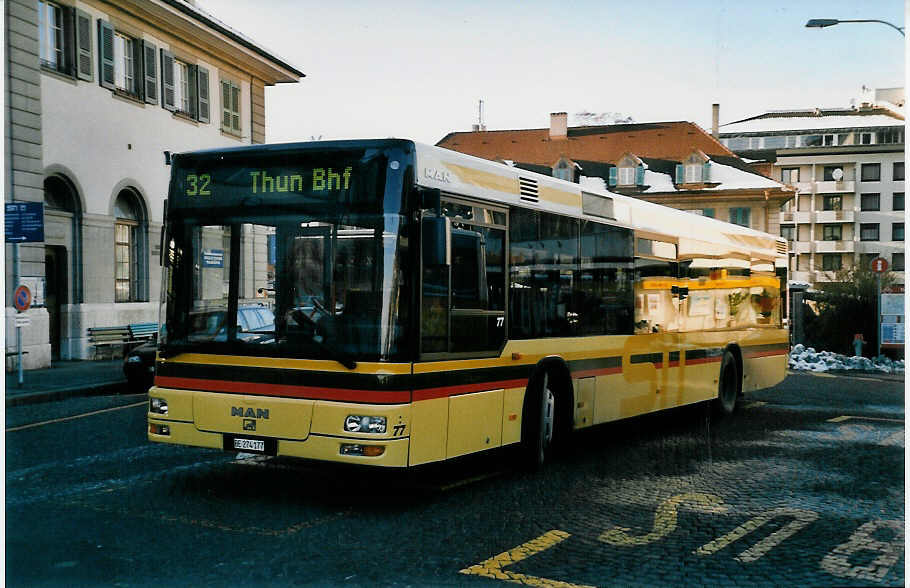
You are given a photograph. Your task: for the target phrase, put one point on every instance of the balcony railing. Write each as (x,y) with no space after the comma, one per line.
(803,217)
(800,246)
(834,216)
(834,247)
(831,187)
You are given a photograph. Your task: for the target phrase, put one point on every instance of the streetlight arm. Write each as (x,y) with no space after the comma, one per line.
(827,22)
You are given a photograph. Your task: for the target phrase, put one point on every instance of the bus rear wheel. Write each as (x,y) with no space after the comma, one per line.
(540,433)
(727,386)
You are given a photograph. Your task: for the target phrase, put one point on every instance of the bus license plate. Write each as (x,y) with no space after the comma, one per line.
(249,444)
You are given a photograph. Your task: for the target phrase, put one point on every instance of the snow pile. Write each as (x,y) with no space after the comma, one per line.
(808,359)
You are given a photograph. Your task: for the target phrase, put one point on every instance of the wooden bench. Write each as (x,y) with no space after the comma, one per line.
(142,332)
(108,338)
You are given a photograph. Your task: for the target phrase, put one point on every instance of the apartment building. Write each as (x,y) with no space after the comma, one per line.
(672,163)
(98,92)
(847,165)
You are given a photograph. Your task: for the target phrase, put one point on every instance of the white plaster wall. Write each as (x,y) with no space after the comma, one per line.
(105,143)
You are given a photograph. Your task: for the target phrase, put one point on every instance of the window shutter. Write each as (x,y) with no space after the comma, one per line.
(612,176)
(226,106)
(680,173)
(235,108)
(193,91)
(202,81)
(106,54)
(167,81)
(706,172)
(640,175)
(150,72)
(84,46)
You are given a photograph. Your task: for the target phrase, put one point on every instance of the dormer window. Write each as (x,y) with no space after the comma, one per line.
(628,173)
(564,170)
(694,169)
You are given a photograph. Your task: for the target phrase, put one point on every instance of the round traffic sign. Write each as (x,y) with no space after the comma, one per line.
(22,298)
(879,265)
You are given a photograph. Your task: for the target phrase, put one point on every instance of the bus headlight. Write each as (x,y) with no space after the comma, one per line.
(158,405)
(365,424)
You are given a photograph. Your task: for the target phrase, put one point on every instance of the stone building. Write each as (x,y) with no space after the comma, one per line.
(98,92)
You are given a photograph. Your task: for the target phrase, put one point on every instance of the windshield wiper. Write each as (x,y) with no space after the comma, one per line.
(334,354)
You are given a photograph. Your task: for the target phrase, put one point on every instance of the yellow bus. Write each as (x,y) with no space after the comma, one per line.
(387,303)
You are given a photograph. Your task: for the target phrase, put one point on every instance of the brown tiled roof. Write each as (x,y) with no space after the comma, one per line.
(665,140)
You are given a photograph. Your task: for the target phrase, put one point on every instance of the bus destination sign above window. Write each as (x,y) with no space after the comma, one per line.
(314,181)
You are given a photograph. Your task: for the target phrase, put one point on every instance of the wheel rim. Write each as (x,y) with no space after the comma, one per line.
(547,416)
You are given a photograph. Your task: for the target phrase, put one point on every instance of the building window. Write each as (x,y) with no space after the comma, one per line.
(869,202)
(829,173)
(866,259)
(832,203)
(694,173)
(897,262)
(897,231)
(897,173)
(829,140)
(740,216)
(831,232)
(562,171)
(185,88)
(831,262)
(125,64)
(230,107)
(897,201)
(788,233)
(130,270)
(865,138)
(789,175)
(627,176)
(50,36)
(868,232)
(890,136)
(871,172)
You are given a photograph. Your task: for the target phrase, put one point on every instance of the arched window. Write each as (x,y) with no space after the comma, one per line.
(130,272)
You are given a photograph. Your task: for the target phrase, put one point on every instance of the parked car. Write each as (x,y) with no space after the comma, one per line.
(139,367)
(256,324)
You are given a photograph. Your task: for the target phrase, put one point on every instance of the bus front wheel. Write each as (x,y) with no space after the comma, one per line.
(727,386)
(540,431)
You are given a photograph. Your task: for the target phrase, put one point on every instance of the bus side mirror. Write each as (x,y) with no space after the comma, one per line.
(437,242)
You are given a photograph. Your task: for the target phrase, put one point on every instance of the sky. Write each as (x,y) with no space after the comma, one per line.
(417,69)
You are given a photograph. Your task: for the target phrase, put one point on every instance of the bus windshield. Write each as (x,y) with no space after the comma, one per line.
(315,276)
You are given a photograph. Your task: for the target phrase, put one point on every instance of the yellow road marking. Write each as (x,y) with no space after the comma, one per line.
(756,404)
(77,416)
(493,567)
(843,419)
(665,519)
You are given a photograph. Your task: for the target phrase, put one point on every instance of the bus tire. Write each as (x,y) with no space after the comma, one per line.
(540,432)
(727,386)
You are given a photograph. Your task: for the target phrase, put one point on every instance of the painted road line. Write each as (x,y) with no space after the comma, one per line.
(665,519)
(77,416)
(867,539)
(494,567)
(845,418)
(756,404)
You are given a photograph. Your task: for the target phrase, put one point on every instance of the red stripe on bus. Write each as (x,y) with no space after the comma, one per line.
(703,360)
(767,353)
(446,391)
(308,392)
(601,372)
(674,364)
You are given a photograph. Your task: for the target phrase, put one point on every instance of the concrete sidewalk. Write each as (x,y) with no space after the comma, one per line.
(65,379)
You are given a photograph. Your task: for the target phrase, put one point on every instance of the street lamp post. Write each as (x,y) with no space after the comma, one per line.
(820,23)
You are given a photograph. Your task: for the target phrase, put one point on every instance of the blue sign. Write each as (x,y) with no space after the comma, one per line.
(213,258)
(24,222)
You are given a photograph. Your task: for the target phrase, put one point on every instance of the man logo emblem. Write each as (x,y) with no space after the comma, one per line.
(249,425)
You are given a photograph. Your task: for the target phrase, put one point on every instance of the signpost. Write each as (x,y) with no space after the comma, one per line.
(879,265)
(24,222)
(22,299)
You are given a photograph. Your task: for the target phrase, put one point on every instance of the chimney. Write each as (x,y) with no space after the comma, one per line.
(715,120)
(559,122)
